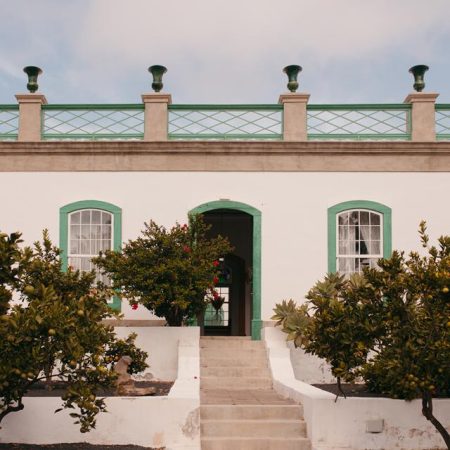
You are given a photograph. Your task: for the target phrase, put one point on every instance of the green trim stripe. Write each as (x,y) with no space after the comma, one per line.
(93,106)
(361,106)
(358,204)
(64,230)
(256,284)
(198,107)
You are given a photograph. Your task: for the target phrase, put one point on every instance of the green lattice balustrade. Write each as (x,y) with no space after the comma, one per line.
(216,122)
(9,122)
(443,122)
(359,122)
(111,122)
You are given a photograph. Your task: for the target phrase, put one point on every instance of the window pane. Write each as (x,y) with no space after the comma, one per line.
(376,248)
(106,245)
(85,232)
(375,232)
(363,247)
(106,218)
(74,263)
(96,216)
(374,219)
(343,218)
(354,217)
(85,247)
(95,247)
(75,218)
(74,247)
(96,231)
(346,265)
(106,232)
(364,217)
(75,232)
(343,232)
(364,233)
(86,216)
(86,264)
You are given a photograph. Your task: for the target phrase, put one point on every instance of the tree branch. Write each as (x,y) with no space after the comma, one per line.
(427,411)
(11,409)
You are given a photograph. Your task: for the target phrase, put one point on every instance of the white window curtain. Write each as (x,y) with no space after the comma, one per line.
(90,231)
(359,240)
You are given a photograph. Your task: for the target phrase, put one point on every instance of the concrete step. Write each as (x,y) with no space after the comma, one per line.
(235,383)
(227,352)
(236,361)
(238,443)
(217,396)
(235,344)
(221,371)
(253,428)
(252,412)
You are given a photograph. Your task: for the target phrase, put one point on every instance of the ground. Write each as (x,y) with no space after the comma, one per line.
(78,446)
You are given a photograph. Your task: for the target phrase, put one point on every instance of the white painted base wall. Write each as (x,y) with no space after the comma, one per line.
(172,421)
(146,421)
(342,425)
(309,368)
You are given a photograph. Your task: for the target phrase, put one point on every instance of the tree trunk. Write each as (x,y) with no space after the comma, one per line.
(427,411)
(201,322)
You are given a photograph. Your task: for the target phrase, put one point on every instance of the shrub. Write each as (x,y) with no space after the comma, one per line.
(55,331)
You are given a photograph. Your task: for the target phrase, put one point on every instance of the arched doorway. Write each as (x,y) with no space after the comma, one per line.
(241,223)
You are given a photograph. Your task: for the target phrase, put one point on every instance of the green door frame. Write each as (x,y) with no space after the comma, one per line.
(256,280)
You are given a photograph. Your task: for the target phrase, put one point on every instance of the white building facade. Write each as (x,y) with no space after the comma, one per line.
(299,189)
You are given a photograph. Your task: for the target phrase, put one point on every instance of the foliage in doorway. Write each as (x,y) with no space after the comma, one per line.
(391,325)
(54,331)
(170,272)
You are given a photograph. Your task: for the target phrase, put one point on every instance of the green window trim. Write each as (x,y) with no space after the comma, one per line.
(384,210)
(64,230)
(256,324)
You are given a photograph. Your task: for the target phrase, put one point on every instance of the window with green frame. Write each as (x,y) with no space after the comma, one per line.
(86,228)
(359,233)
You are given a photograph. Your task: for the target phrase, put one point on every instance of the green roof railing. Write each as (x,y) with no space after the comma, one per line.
(93,122)
(9,122)
(443,122)
(359,122)
(225,122)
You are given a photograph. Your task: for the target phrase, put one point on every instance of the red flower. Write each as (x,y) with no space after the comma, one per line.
(187,249)
(215,263)
(134,306)
(215,294)
(215,280)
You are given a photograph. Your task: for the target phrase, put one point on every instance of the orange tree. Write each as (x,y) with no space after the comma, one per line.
(170,272)
(390,326)
(54,331)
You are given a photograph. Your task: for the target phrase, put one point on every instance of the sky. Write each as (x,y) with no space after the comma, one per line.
(224,51)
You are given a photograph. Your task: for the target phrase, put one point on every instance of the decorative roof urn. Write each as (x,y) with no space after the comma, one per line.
(157,72)
(292,73)
(33,72)
(418,73)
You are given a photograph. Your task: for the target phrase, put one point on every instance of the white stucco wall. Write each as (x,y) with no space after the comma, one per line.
(161,344)
(293,205)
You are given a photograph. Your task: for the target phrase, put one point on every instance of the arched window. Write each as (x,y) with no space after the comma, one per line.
(359,233)
(86,228)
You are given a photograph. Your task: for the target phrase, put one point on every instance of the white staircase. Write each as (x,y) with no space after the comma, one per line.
(239,409)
